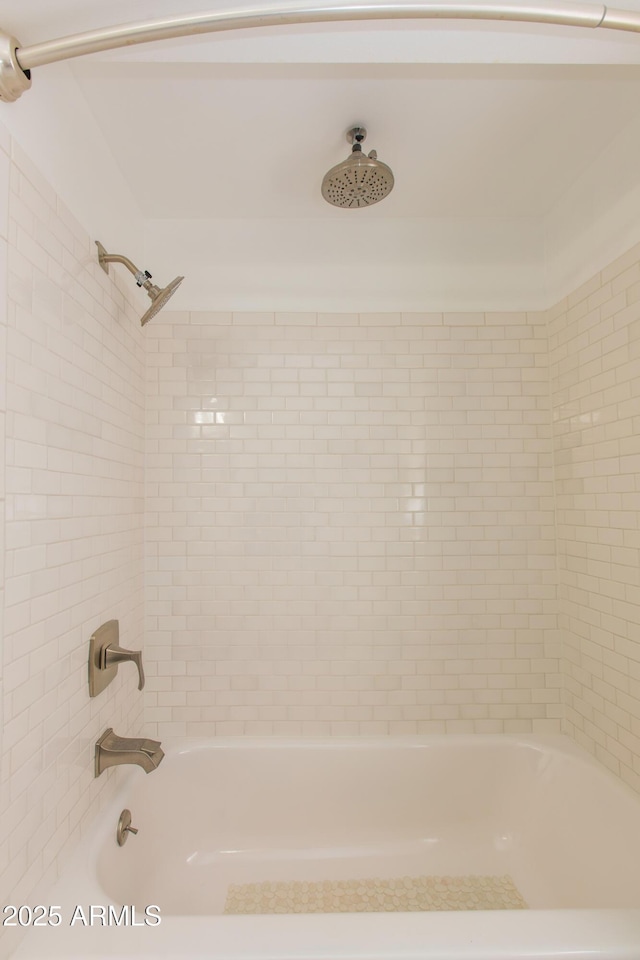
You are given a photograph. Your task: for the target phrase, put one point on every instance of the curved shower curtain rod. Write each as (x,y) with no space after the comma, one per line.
(17,61)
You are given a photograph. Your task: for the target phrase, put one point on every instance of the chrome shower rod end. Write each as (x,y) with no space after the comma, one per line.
(13,79)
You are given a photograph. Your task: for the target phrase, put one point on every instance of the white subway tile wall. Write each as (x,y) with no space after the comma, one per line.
(5,167)
(350,524)
(595,375)
(73,437)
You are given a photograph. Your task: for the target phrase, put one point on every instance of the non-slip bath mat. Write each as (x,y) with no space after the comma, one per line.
(376,896)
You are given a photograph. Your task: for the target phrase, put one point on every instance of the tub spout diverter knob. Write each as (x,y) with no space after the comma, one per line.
(124,827)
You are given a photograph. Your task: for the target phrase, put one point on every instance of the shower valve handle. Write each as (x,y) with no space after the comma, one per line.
(114,654)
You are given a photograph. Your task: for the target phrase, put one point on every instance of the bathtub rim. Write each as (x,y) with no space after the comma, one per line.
(559,745)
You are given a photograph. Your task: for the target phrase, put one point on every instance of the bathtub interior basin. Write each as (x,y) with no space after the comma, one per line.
(244,812)
(234,812)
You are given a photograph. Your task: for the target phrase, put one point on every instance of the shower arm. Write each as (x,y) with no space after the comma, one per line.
(142,276)
(16,61)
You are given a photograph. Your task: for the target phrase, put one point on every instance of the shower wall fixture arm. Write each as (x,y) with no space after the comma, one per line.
(104,257)
(16,61)
(142,276)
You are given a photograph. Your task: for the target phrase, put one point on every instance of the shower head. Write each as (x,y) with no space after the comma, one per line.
(157,295)
(360,180)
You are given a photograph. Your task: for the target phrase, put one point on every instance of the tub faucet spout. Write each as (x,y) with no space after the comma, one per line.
(112,750)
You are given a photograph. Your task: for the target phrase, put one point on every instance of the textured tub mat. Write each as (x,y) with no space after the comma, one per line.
(376,896)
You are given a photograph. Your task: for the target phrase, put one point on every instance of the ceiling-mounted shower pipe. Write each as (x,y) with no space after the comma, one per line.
(16,61)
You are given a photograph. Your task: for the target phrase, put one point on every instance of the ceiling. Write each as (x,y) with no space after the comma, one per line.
(503,139)
(203,140)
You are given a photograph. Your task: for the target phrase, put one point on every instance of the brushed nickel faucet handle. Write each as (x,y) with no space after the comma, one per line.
(114,654)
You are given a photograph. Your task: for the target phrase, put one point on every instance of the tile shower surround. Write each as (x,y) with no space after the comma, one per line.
(73,431)
(350,524)
(594,341)
(350,520)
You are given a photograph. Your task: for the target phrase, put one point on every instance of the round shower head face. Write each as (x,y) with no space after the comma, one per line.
(160,298)
(360,180)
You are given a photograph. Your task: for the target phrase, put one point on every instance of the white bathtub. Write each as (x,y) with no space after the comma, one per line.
(243,811)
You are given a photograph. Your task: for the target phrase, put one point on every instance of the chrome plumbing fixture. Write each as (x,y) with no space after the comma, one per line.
(143,278)
(360,180)
(105,654)
(112,750)
(16,61)
(124,828)
(14,78)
